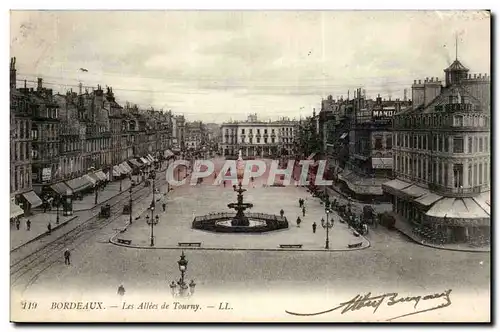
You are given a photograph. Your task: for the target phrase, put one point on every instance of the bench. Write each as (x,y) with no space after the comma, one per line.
(122,241)
(354,245)
(291,246)
(189,244)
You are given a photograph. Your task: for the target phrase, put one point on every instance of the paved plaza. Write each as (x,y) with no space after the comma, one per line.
(185,202)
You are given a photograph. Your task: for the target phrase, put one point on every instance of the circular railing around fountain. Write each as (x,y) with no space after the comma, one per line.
(213,223)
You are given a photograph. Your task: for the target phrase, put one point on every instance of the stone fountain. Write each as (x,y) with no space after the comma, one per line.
(240,222)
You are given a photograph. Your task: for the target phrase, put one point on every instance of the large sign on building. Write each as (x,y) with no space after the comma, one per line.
(383,113)
(46,174)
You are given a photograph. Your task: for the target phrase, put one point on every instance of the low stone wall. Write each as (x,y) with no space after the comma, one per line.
(209,223)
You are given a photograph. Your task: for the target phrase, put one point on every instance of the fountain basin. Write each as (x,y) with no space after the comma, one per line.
(257,223)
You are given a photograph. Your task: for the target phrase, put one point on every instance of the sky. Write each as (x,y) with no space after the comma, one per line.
(217,66)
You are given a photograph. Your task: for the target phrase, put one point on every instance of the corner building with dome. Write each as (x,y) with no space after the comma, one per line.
(441,159)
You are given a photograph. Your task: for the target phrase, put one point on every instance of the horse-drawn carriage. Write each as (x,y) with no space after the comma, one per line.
(369,216)
(105,211)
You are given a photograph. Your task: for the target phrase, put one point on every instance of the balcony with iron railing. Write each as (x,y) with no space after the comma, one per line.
(457,192)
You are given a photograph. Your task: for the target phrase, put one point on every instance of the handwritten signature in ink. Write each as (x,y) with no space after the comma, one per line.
(368,301)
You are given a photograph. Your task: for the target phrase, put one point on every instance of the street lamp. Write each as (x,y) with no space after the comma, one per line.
(327,225)
(96,188)
(58,201)
(180,288)
(130,202)
(152,208)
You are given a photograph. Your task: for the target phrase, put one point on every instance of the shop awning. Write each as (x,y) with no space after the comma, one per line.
(415,191)
(135,163)
(168,154)
(145,161)
(483,200)
(123,169)
(90,179)
(33,199)
(150,158)
(62,189)
(79,184)
(15,210)
(428,199)
(101,176)
(395,185)
(344,135)
(117,171)
(458,211)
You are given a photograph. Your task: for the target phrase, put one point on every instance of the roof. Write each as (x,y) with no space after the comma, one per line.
(443,99)
(456,66)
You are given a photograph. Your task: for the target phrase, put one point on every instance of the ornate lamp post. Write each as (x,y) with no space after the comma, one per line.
(327,225)
(180,288)
(130,202)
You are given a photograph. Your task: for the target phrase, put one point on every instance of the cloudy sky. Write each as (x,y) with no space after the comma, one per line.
(217,66)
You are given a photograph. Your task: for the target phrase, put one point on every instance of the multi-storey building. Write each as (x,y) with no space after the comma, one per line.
(442,159)
(23,199)
(258,138)
(44,134)
(180,132)
(70,136)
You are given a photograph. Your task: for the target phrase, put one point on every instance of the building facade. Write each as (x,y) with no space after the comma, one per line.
(258,138)
(442,160)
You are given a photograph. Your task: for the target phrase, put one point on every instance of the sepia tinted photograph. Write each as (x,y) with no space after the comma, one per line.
(250,166)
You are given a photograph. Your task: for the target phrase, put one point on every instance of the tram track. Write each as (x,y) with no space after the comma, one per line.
(31,266)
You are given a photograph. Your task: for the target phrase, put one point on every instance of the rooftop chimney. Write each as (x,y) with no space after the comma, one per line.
(419,81)
(13,73)
(39,84)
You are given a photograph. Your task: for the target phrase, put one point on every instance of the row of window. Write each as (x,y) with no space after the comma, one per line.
(441,143)
(442,173)
(22,179)
(20,151)
(439,119)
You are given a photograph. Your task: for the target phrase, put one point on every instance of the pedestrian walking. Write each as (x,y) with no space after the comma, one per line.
(314,227)
(67,256)
(28,224)
(121,290)
(224,183)
(300,202)
(282,213)
(18,224)
(303,211)
(298,221)
(164,206)
(49,228)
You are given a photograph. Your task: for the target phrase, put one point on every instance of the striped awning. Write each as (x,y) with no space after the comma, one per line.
(135,163)
(150,158)
(79,184)
(62,189)
(32,198)
(123,169)
(15,210)
(145,161)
